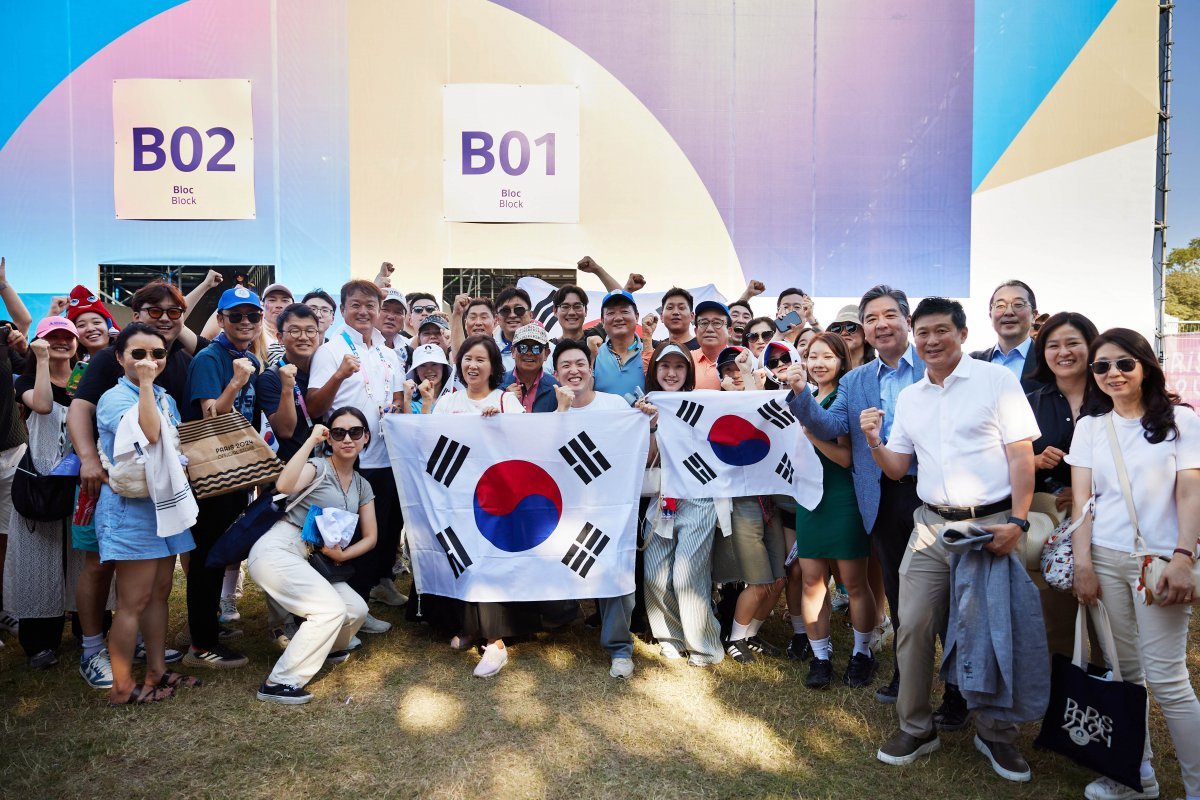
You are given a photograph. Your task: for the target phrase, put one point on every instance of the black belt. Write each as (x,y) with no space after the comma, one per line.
(902,479)
(960,513)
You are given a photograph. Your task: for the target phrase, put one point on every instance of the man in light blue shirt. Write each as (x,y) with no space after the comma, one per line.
(618,360)
(1012,309)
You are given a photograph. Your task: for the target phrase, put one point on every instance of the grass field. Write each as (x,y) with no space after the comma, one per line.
(405,718)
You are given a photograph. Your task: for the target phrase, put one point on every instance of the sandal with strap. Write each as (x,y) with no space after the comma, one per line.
(156,695)
(133,699)
(176,680)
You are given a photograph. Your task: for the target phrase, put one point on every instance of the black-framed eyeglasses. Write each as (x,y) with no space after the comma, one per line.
(759,336)
(253,317)
(1102,366)
(530,349)
(424,309)
(156,353)
(512,311)
(154,312)
(848,327)
(773,363)
(302,333)
(339,434)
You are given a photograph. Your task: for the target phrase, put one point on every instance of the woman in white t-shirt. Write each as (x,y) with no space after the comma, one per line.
(1159,442)
(481,368)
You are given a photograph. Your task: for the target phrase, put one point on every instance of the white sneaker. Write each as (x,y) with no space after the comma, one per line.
(669,651)
(839,600)
(229,611)
(494,659)
(882,635)
(386,592)
(97,670)
(372,625)
(1108,789)
(355,643)
(8,622)
(621,668)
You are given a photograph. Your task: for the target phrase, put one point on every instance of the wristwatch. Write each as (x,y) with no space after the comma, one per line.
(1023,524)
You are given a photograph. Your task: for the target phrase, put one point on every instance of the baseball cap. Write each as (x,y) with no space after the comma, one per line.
(617,295)
(427,354)
(533,332)
(238,296)
(712,305)
(729,355)
(435,319)
(278,287)
(782,347)
(394,295)
(847,314)
(51,324)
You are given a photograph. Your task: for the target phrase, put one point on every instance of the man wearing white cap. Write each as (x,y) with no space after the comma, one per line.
(528,378)
(393,313)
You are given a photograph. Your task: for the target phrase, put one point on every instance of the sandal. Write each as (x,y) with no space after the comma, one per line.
(155,695)
(176,680)
(133,698)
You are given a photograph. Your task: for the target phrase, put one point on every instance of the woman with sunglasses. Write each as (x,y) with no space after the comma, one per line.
(1158,441)
(679,546)
(279,561)
(127,528)
(39,572)
(847,325)
(776,358)
(831,533)
(759,331)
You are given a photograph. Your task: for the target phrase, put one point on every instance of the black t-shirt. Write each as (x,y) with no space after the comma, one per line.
(12,429)
(25,384)
(270,389)
(1053,414)
(104,371)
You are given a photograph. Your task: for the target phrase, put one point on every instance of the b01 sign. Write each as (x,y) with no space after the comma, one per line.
(511,153)
(184,149)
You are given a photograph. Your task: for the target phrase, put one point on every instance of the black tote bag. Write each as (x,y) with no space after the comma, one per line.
(1097,723)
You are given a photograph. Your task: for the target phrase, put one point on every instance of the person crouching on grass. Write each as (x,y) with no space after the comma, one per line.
(279,561)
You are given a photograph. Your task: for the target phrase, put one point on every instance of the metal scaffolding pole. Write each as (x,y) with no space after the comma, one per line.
(1165,43)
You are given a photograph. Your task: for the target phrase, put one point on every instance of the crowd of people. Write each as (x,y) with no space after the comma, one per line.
(912,433)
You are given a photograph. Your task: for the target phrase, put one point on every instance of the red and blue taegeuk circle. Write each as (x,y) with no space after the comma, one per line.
(737,442)
(517,505)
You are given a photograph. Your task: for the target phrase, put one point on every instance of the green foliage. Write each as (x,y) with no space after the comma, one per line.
(1183,281)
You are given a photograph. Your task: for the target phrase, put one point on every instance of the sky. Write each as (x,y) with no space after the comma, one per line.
(1183,202)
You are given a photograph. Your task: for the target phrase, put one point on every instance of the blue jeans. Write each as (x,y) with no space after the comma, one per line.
(615,615)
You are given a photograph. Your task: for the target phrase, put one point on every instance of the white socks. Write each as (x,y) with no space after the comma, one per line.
(740,631)
(798,625)
(755,626)
(862,642)
(822,648)
(92,645)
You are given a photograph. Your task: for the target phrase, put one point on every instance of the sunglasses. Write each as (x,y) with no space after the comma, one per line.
(424,309)
(139,353)
(154,312)
(355,433)
(848,327)
(1123,364)
(759,336)
(526,349)
(773,363)
(512,311)
(253,317)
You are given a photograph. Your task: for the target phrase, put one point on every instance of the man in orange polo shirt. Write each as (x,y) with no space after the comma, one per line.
(712,331)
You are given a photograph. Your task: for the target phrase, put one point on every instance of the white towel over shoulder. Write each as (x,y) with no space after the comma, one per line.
(174,505)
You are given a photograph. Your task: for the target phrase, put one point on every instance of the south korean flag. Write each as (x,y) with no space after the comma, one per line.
(734,444)
(520,507)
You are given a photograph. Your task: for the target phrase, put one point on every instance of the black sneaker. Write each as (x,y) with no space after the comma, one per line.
(739,650)
(820,673)
(861,670)
(44,659)
(798,648)
(952,714)
(220,657)
(760,645)
(888,694)
(337,657)
(282,693)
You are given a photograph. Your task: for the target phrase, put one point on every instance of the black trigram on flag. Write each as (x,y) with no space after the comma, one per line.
(455,554)
(585,549)
(582,455)
(690,412)
(543,312)
(448,456)
(776,414)
(699,469)
(784,468)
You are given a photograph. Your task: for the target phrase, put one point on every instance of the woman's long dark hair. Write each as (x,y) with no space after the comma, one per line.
(1077,321)
(1158,402)
(837,344)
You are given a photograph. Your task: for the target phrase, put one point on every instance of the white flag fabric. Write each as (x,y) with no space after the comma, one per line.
(734,444)
(520,506)
(541,294)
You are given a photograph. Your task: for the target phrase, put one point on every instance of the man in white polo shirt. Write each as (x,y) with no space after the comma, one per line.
(972,430)
(355,368)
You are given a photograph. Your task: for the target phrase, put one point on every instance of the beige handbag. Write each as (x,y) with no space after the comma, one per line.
(225,454)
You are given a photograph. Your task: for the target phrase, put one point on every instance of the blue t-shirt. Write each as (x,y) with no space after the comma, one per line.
(626,380)
(209,373)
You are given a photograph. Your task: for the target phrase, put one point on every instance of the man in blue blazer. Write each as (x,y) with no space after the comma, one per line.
(533,386)
(887,506)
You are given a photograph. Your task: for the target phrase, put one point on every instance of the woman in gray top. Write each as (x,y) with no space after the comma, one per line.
(279,561)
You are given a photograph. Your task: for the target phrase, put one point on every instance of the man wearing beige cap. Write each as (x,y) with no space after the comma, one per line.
(533,386)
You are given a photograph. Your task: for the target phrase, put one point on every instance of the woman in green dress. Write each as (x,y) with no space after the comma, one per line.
(832,533)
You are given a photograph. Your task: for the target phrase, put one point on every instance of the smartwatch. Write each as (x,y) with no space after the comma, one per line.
(1023,524)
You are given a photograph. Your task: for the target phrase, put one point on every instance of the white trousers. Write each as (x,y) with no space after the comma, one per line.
(332,613)
(1152,648)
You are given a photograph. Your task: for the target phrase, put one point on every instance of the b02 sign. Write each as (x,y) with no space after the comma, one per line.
(510,153)
(184,149)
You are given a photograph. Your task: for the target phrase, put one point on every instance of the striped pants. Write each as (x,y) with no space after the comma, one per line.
(678,583)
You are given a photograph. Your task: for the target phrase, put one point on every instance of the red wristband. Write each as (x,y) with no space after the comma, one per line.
(1184,552)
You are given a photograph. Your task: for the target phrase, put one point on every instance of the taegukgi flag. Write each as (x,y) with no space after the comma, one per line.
(734,444)
(520,506)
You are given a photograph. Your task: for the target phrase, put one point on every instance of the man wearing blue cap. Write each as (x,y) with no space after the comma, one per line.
(712,331)
(618,363)
(222,377)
